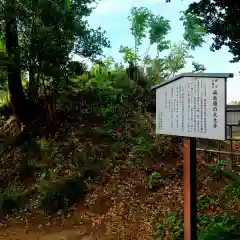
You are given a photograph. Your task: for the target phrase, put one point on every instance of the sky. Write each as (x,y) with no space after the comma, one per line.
(112,16)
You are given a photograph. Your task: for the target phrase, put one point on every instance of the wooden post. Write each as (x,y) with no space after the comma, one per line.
(219,148)
(230,157)
(190,209)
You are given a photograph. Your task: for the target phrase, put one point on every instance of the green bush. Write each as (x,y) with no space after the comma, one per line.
(209,227)
(12,199)
(3,97)
(218,227)
(63,194)
(106,122)
(154,179)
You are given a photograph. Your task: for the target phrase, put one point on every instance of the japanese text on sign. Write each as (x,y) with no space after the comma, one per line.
(193,107)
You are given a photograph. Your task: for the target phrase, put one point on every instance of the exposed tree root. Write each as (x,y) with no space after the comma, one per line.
(12,126)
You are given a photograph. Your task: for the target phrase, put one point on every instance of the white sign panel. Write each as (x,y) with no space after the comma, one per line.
(192,107)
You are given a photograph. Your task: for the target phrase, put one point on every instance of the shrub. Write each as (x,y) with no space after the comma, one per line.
(209,227)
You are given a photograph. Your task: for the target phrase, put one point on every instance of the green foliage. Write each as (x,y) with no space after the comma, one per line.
(141,140)
(144,23)
(218,227)
(100,117)
(176,59)
(153,179)
(218,18)
(41,182)
(62,195)
(168,66)
(194,31)
(139,23)
(3,97)
(219,165)
(109,61)
(209,227)
(224,172)
(45,35)
(114,104)
(13,198)
(158,30)
(204,202)
(198,67)
(76,68)
(157,66)
(231,195)
(172,223)
(235,190)
(3,64)
(91,43)
(128,54)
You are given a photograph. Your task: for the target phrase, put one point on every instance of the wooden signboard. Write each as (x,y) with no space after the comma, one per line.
(192,105)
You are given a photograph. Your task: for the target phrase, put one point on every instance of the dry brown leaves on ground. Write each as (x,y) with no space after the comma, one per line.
(120,209)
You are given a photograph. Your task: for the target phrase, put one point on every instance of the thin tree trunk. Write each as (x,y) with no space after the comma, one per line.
(33,84)
(17,96)
(158,80)
(145,56)
(135,49)
(31,81)
(37,84)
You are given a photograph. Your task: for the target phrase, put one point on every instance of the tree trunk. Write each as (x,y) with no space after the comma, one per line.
(135,49)
(31,81)
(14,74)
(33,84)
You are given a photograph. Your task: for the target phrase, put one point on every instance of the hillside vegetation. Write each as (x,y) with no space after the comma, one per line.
(78,147)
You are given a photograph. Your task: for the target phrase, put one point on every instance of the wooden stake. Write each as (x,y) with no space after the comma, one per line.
(190,210)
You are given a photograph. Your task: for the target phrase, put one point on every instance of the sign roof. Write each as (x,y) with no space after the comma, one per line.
(191,74)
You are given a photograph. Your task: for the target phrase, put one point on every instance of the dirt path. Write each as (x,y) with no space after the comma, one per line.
(121,209)
(63,235)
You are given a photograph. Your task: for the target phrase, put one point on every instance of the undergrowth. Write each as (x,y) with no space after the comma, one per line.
(218,212)
(214,227)
(106,124)
(103,122)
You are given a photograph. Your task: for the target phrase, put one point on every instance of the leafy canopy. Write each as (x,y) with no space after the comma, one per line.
(221,19)
(139,19)
(144,24)
(159,28)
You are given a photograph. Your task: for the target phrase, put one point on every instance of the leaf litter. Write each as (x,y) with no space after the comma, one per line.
(122,208)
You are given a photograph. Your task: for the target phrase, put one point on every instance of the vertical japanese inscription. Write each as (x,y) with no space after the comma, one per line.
(171,108)
(215,102)
(187,87)
(192,107)
(166,99)
(182,103)
(160,121)
(198,106)
(195,107)
(201,106)
(177,106)
(205,108)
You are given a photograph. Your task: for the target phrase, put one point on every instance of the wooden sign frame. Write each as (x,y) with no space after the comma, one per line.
(189,161)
